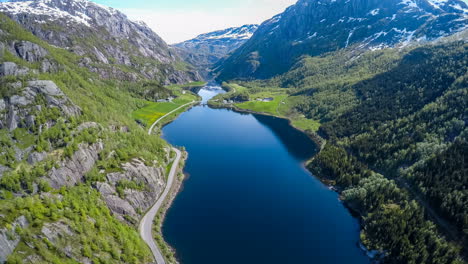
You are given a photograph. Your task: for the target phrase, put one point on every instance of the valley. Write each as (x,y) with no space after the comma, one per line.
(333,132)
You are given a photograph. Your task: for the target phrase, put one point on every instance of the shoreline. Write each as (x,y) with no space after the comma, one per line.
(181,177)
(167,204)
(320,142)
(154,217)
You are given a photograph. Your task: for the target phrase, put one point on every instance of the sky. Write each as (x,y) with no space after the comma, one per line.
(179,20)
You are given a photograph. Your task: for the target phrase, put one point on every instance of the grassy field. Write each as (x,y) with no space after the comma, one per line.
(282,106)
(153,111)
(233,87)
(264,107)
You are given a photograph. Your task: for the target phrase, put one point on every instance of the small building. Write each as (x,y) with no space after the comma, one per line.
(268,99)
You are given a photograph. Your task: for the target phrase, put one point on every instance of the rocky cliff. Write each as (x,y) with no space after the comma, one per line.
(207,49)
(313,27)
(108,42)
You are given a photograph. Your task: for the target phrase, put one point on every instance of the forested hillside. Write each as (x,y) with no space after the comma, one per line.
(395,124)
(314,28)
(76,171)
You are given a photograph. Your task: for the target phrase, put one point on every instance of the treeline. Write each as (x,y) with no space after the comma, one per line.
(403,114)
(444,180)
(86,229)
(393,224)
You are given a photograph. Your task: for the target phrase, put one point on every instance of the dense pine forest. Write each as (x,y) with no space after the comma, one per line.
(394,121)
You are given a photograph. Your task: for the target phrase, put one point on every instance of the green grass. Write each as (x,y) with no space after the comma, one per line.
(233,87)
(264,107)
(306,124)
(153,111)
(23,138)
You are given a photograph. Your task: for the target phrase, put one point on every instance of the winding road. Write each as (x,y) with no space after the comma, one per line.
(146,224)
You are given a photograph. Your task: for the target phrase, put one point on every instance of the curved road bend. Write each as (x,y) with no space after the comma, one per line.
(146,224)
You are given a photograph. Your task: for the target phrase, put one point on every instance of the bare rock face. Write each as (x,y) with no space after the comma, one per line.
(54,231)
(2,105)
(29,51)
(72,171)
(134,201)
(36,157)
(3,169)
(120,41)
(11,69)
(60,234)
(17,110)
(9,239)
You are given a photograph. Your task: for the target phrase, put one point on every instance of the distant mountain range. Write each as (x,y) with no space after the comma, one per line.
(312,27)
(207,49)
(110,43)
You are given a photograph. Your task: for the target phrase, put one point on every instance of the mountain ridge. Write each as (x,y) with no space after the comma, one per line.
(315,27)
(110,43)
(207,49)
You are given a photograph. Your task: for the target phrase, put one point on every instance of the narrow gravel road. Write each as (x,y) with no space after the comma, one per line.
(146,224)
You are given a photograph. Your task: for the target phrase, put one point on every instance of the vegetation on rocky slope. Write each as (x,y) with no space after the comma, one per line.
(49,214)
(400,113)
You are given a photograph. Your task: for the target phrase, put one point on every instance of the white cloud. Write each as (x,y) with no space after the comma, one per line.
(176,25)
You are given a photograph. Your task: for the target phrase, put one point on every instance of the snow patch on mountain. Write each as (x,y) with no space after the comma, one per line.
(240,33)
(51,11)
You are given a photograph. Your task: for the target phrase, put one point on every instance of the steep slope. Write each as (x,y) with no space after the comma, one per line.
(109,43)
(313,27)
(207,49)
(396,126)
(76,171)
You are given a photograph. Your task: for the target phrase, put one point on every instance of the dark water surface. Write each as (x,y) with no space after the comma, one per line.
(248,198)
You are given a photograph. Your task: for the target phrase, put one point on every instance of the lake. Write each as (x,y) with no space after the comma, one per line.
(248,198)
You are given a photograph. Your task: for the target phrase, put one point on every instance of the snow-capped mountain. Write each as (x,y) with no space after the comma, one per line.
(207,49)
(230,34)
(101,35)
(314,27)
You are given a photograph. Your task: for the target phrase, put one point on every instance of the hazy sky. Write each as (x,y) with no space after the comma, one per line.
(179,20)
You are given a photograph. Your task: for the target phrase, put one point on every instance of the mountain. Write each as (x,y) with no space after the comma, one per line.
(207,49)
(312,27)
(77,170)
(108,42)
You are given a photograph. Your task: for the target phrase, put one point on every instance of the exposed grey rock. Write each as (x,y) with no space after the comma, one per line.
(105,189)
(207,49)
(313,28)
(54,231)
(9,239)
(36,157)
(100,56)
(120,207)
(12,122)
(152,177)
(8,68)
(54,96)
(29,51)
(87,125)
(2,105)
(30,121)
(72,171)
(47,66)
(33,259)
(16,85)
(3,169)
(20,110)
(46,87)
(19,100)
(86,20)
(20,154)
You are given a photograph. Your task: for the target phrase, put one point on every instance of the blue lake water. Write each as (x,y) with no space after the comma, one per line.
(248,197)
